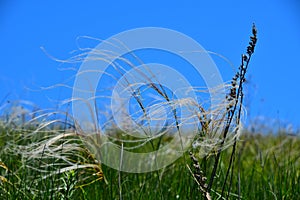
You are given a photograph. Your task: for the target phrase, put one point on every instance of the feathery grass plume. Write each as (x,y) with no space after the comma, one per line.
(51,153)
(212,119)
(52,149)
(217,129)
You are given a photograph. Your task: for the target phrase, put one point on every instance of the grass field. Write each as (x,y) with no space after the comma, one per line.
(265,167)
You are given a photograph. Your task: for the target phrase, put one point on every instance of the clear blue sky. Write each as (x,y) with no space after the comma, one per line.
(220,26)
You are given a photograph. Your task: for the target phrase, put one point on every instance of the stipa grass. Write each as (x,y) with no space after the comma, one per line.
(42,157)
(52,150)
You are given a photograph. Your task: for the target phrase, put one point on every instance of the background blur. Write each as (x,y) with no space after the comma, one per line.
(224,27)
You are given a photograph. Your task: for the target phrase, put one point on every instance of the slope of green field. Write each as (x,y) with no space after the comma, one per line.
(265,167)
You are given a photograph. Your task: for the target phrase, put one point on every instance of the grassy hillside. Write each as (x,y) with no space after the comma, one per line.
(265,167)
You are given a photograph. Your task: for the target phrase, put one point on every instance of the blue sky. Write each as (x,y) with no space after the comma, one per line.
(223,27)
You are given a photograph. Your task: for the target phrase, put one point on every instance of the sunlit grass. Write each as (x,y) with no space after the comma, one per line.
(266,165)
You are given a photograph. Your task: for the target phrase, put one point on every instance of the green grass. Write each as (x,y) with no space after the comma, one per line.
(265,167)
